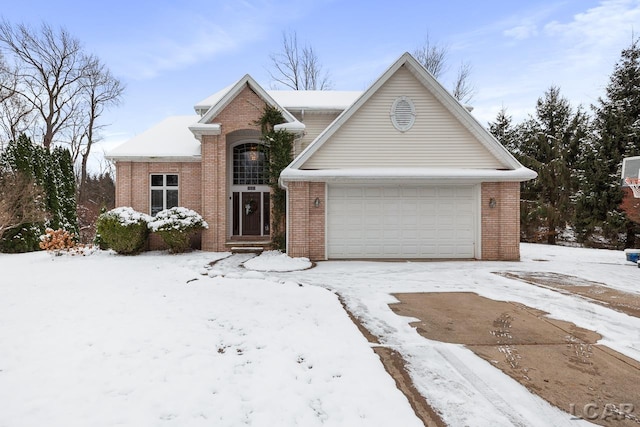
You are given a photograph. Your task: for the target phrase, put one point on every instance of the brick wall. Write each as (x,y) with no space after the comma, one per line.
(306,233)
(241,114)
(133,186)
(500,224)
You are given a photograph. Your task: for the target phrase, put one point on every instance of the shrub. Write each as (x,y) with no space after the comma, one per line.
(123,230)
(175,226)
(57,240)
(24,238)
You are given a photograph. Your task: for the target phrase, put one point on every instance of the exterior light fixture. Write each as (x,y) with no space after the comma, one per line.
(316,202)
(492,203)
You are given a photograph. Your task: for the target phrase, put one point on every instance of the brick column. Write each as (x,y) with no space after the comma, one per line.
(306,222)
(123,184)
(209,149)
(501,223)
(298,219)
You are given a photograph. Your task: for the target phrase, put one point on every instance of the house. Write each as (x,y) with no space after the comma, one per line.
(399,171)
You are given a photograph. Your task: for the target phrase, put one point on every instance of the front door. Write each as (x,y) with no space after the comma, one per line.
(249,190)
(251,214)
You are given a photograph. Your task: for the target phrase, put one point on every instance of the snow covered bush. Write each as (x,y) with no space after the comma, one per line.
(123,229)
(176,225)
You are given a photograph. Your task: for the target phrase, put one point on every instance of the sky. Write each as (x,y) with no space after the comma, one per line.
(172,54)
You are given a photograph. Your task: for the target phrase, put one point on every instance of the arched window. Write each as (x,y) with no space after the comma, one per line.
(249,164)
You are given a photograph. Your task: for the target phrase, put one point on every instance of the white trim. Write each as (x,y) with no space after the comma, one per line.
(201,129)
(326,221)
(407,175)
(478,219)
(234,90)
(155,159)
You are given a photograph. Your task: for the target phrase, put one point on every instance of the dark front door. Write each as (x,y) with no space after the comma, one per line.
(251,214)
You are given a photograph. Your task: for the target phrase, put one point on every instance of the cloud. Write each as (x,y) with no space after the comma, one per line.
(175,38)
(522,32)
(182,46)
(603,25)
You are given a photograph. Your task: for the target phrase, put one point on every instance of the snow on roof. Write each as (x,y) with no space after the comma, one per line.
(171,138)
(294,99)
(202,106)
(438,175)
(315,99)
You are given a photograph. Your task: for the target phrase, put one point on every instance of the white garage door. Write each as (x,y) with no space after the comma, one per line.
(401,222)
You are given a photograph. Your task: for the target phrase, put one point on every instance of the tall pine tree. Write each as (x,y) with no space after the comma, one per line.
(550,143)
(616,135)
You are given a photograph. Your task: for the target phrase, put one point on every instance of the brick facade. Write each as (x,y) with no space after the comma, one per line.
(204,187)
(306,232)
(501,223)
(133,186)
(239,116)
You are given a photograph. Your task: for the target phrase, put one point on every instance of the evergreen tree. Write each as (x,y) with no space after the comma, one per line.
(616,135)
(550,143)
(505,132)
(53,171)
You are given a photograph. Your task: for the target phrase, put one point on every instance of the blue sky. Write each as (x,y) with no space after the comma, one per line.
(172,54)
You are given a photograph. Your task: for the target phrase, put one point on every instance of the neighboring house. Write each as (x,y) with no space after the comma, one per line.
(401,170)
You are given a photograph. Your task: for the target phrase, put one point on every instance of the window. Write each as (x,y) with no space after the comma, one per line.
(164,192)
(249,165)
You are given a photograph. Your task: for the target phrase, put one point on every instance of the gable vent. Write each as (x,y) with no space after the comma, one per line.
(403,113)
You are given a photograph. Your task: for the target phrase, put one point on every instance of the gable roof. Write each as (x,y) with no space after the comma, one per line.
(295,172)
(222,99)
(168,140)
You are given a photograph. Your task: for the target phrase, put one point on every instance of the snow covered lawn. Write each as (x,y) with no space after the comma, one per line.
(106,340)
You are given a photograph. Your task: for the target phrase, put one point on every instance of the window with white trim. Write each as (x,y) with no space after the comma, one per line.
(164,192)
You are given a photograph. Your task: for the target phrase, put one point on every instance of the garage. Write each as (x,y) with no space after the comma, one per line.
(402,221)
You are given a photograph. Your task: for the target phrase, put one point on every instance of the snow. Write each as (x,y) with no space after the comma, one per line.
(315,99)
(277,261)
(128,216)
(176,218)
(407,174)
(170,138)
(107,340)
(295,99)
(159,339)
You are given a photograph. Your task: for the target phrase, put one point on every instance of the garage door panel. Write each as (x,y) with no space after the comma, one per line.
(401,222)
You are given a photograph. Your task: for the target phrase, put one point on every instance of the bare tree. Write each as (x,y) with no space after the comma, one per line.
(21,201)
(298,67)
(433,57)
(463,91)
(100,90)
(51,63)
(15,112)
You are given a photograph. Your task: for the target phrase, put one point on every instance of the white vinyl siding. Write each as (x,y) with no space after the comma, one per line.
(314,123)
(369,139)
(402,221)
